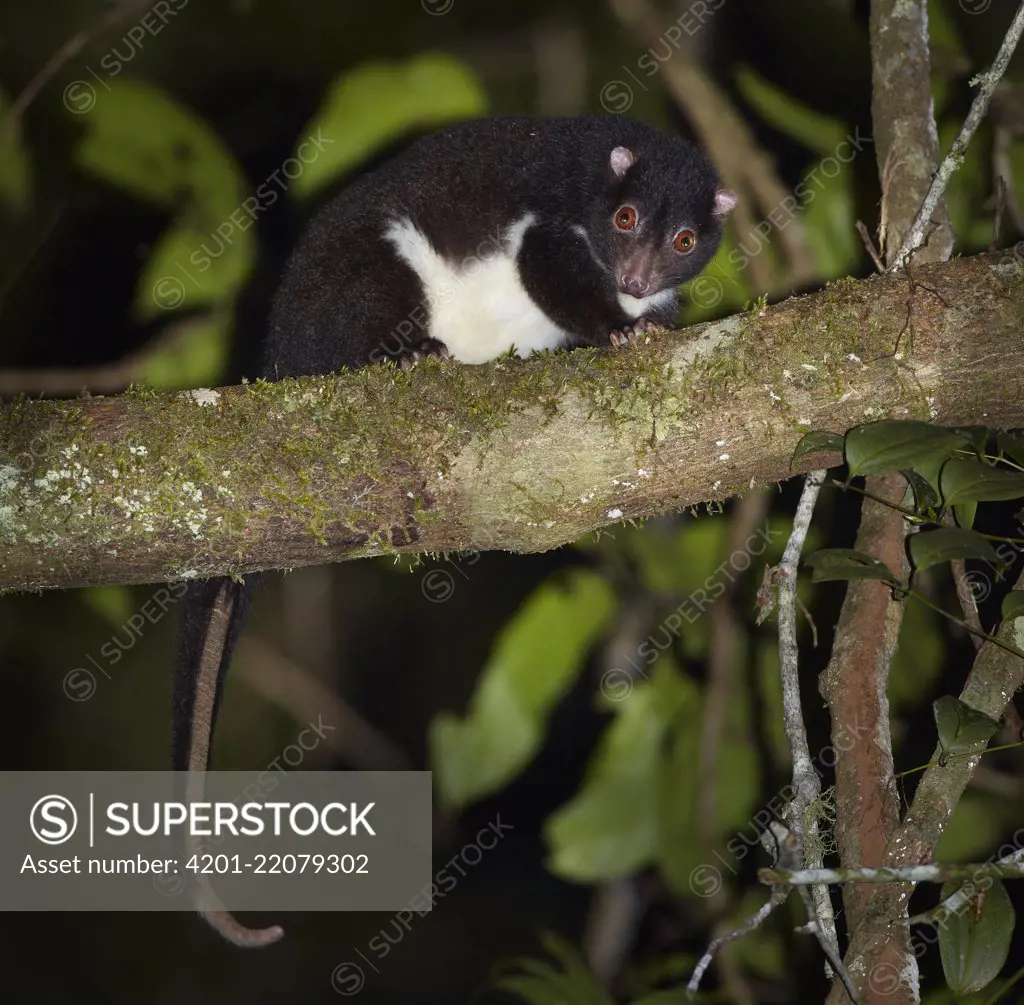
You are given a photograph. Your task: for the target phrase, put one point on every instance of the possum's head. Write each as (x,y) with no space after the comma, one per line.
(662,218)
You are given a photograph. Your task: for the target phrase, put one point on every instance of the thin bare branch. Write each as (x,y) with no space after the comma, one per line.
(1010,867)
(806,783)
(758,918)
(64,55)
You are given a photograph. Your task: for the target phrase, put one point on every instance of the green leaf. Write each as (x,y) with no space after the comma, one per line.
(724,287)
(968,187)
(961,727)
(974,942)
(893,444)
(933,547)
(540,983)
(575,966)
(829,218)
(965,513)
(942,32)
(930,469)
(978,825)
(537,656)
(817,132)
(188,269)
(736,782)
(644,977)
(926,498)
(845,563)
(1013,605)
(1012,446)
(816,442)
(609,829)
(196,355)
(15,165)
(971,481)
(679,560)
(377,103)
(141,140)
(114,603)
(978,436)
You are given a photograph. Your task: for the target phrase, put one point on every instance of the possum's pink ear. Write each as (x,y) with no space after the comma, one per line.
(621,161)
(725,202)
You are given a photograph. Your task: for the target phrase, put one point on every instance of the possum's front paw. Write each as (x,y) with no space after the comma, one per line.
(429,347)
(630,334)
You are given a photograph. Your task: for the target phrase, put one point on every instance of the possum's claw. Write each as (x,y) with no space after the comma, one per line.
(630,334)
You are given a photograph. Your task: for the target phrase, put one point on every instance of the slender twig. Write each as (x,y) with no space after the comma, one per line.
(293,688)
(997,218)
(869,245)
(63,55)
(944,758)
(806,782)
(805,778)
(994,639)
(790,856)
(758,918)
(965,894)
(829,945)
(1009,867)
(104,378)
(964,591)
(988,81)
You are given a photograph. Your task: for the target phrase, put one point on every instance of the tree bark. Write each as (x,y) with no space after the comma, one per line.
(855,683)
(522,455)
(903,121)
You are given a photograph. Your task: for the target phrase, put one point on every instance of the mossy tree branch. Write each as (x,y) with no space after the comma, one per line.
(523,455)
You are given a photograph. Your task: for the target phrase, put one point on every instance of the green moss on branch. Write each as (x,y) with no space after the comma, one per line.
(523,455)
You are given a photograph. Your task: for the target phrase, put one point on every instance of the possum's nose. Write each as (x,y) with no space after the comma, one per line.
(634,285)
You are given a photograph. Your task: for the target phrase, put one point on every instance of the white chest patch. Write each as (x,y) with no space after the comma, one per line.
(637,307)
(478,307)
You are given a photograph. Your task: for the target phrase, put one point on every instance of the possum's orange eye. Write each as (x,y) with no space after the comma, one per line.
(685,242)
(625,218)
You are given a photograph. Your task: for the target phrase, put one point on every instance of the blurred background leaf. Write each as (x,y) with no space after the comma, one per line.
(535,659)
(15,162)
(372,105)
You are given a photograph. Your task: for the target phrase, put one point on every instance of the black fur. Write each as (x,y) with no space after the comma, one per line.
(346,298)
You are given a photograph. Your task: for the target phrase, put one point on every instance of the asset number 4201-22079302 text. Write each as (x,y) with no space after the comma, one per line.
(275,864)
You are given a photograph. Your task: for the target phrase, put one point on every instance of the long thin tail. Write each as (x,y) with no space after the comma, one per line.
(213,613)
